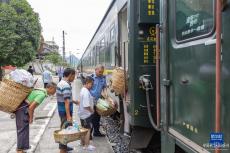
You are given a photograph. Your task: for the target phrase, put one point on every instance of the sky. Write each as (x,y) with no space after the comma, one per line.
(78,18)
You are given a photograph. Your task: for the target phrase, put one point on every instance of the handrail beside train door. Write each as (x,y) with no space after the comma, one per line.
(158,74)
(218,68)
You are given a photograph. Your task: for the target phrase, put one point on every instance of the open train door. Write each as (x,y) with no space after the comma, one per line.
(188,72)
(123,50)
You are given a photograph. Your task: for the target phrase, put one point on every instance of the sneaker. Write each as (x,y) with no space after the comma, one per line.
(90,148)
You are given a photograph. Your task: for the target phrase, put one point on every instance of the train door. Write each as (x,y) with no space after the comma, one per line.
(123,49)
(190,59)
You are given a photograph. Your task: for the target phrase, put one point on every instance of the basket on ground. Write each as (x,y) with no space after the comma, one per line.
(66,138)
(12,95)
(118,80)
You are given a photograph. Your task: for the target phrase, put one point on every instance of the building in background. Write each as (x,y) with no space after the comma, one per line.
(50,46)
(47,47)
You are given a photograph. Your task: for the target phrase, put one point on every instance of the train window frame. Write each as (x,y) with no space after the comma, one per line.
(94,53)
(102,43)
(112,31)
(206,35)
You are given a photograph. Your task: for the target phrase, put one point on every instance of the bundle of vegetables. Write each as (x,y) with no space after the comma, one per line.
(105,107)
(102,104)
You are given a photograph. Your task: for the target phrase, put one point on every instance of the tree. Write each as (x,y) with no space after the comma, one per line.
(20,32)
(54,58)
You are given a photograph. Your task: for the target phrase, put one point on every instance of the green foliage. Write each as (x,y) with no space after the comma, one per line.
(64,64)
(54,58)
(20,32)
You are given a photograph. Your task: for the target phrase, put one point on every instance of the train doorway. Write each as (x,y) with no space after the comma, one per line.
(123,50)
(123,37)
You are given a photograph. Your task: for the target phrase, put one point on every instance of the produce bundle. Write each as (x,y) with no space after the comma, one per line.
(106,107)
(15,89)
(23,77)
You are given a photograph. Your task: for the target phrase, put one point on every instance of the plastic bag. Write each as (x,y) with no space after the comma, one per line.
(23,77)
(69,130)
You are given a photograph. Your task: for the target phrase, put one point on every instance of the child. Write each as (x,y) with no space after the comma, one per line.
(24,114)
(85,112)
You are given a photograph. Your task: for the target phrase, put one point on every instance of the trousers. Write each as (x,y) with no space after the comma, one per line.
(96,122)
(22,125)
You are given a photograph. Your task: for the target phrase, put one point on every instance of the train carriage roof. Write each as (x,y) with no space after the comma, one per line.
(103,19)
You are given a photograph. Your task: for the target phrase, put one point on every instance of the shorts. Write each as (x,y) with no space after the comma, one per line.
(87,123)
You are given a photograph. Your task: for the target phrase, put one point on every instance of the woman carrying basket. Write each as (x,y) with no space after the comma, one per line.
(24,114)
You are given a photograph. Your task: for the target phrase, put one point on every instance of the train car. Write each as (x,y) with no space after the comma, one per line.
(103,47)
(177,69)
(194,76)
(126,38)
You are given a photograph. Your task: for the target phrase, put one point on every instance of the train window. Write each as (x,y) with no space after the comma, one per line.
(102,51)
(112,55)
(89,58)
(107,56)
(194,19)
(97,52)
(112,34)
(102,43)
(94,56)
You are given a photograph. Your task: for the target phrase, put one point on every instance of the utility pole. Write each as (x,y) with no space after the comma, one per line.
(63,32)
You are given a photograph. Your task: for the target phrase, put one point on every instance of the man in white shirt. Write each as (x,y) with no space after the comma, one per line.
(46,77)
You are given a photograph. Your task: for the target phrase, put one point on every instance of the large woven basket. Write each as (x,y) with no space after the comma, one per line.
(118,80)
(66,138)
(12,95)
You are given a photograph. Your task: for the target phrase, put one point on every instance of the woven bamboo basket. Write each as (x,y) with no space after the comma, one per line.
(118,81)
(66,138)
(12,95)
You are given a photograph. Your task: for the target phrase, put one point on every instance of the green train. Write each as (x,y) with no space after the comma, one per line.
(176,57)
